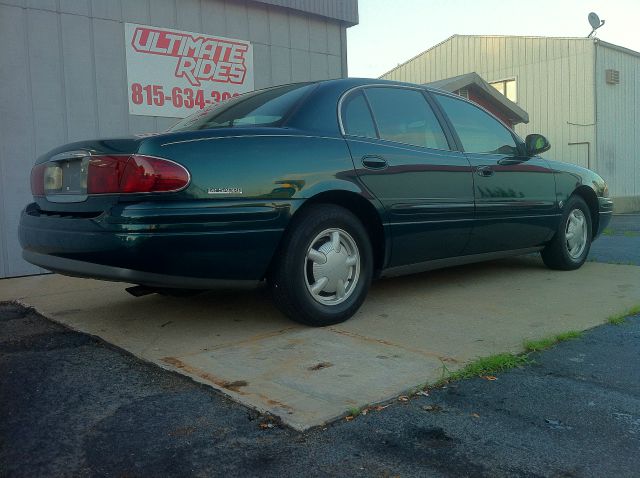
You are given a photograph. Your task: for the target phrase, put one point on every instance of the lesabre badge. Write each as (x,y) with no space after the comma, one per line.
(224,191)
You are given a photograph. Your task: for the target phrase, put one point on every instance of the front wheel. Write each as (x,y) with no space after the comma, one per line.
(570,246)
(324,268)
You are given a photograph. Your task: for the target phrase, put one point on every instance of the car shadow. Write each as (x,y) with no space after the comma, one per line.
(451,276)
(249,305)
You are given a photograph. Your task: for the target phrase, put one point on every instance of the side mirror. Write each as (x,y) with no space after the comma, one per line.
(536,144)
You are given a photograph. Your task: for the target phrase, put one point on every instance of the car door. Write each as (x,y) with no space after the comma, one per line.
(514,195)
(404,156)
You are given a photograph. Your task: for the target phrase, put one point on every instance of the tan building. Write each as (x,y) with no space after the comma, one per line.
(583,94)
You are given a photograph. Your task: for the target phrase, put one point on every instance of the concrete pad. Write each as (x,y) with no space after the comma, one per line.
(409,330)
(309,376)
(482,309)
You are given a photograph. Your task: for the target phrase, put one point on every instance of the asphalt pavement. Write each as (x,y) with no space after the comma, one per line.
(620,243)
(72,405)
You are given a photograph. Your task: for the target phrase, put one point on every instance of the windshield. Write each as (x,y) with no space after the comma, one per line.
(259,108)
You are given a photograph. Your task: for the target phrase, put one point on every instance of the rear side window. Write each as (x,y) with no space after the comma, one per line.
(478,131)
(356,117)
(403,115)
(259,108)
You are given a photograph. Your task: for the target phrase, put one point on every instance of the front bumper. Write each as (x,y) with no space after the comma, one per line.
(168,245)
(605,210)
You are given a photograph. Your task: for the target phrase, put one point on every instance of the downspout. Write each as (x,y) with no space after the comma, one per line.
(595,102)
(588,150)
(343,46)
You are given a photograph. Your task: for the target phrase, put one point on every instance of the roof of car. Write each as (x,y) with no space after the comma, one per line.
(447,86)
(355,82)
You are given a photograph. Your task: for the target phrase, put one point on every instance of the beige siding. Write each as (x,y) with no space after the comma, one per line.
(618,117)
(555,83)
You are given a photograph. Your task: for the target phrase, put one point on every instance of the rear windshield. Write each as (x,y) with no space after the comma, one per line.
(259,108)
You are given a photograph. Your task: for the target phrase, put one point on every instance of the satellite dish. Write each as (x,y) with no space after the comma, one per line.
(595,22)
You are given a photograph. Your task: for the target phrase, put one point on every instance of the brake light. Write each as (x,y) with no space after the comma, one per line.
(146,174)
(105,173)
(134,174)
(37,179)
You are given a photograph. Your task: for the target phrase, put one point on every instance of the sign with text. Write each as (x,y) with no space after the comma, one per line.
(175,73)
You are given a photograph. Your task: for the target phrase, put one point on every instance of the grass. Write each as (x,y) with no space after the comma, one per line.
(619,319)
(500,362)
(487,366)
(548,342)
(611,232)
(482,366)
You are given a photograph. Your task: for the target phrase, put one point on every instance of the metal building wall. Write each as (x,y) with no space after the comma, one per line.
(63,74)
(618,111)
(555,83)
(345,10)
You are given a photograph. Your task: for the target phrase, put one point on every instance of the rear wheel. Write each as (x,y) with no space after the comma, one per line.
(324,268)
(570,246)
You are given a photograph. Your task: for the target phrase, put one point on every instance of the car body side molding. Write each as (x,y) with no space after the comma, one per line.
(454,261)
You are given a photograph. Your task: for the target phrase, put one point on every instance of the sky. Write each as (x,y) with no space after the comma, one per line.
(391,32)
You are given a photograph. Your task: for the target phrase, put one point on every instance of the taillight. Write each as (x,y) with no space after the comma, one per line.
(37,179)
(134,174)
(144,174)
(105,173)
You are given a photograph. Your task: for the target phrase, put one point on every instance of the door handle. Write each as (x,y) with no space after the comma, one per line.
(484,171)
(374,162)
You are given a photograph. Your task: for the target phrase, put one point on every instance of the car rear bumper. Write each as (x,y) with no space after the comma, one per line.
(161,246)
(75,268)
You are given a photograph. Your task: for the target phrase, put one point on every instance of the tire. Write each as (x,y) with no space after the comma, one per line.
(569,248)
(322,287)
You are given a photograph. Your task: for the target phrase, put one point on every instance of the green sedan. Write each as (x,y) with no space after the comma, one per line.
(317,188)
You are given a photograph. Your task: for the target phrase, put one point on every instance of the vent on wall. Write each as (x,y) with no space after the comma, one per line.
(613,77)
(464,92)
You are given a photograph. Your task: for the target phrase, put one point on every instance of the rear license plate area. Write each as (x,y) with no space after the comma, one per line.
(66,180)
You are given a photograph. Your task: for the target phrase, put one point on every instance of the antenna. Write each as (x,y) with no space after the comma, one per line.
(595,22)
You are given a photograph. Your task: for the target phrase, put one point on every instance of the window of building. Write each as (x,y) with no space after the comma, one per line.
(507,88)
(478,131)
(464,92)
(404,116)
(356,117)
